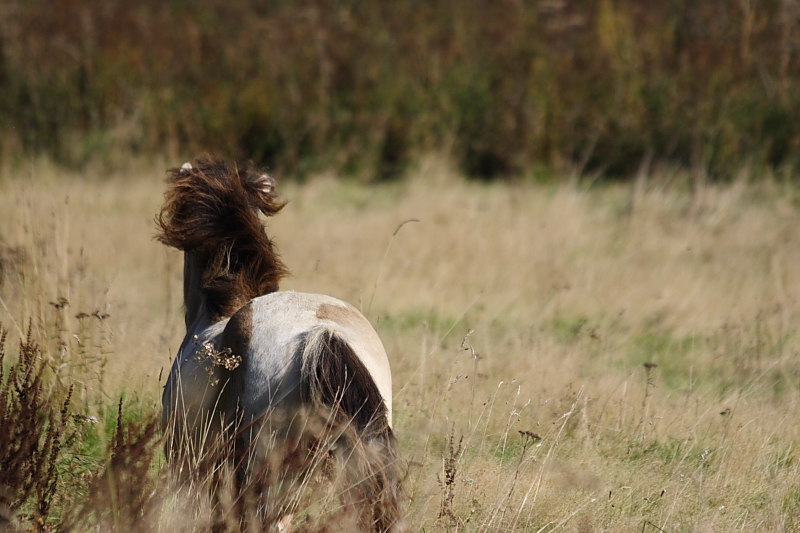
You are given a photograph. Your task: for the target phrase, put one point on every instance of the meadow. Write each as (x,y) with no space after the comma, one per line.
(568,356)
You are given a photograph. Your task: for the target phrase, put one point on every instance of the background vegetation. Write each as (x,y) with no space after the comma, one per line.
(500,87)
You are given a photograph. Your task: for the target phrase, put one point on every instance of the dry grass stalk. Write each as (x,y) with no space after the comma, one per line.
(33,416)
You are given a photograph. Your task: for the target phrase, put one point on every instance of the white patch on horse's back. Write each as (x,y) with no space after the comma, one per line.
(282,319)
(186,166)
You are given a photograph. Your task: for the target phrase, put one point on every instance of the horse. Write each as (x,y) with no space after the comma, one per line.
(256,360)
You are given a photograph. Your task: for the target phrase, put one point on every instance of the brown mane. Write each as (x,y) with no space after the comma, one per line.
(210,211)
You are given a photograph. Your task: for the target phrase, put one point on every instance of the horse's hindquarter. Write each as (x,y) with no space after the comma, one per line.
(278,325)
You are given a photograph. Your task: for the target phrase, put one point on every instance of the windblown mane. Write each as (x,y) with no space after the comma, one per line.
(211,212)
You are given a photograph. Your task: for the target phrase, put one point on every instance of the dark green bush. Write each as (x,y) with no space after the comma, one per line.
(367,87)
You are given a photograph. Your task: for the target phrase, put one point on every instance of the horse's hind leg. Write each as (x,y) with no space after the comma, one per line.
(369,480)
(335,380)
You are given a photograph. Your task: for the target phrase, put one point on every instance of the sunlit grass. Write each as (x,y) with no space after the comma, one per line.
(508,311)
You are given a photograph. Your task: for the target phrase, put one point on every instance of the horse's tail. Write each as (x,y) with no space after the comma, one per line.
(335,381)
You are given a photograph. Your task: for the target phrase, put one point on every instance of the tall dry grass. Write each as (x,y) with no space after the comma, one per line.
(566,357)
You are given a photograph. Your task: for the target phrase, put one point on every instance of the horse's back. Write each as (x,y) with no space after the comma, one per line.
(271,332)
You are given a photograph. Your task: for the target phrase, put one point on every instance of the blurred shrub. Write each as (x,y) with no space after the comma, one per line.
(502,86)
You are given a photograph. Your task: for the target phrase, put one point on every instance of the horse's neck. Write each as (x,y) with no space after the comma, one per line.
(197,315)
(199,328)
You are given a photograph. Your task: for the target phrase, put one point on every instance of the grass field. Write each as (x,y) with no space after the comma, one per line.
(566,357)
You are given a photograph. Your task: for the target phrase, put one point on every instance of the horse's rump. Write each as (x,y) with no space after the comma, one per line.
(334,380)
(342,416)
(332,375)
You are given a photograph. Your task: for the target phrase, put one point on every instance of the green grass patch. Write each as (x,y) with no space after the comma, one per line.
(672,355)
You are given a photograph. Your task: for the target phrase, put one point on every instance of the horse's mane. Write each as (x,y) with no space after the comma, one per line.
(211,212)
